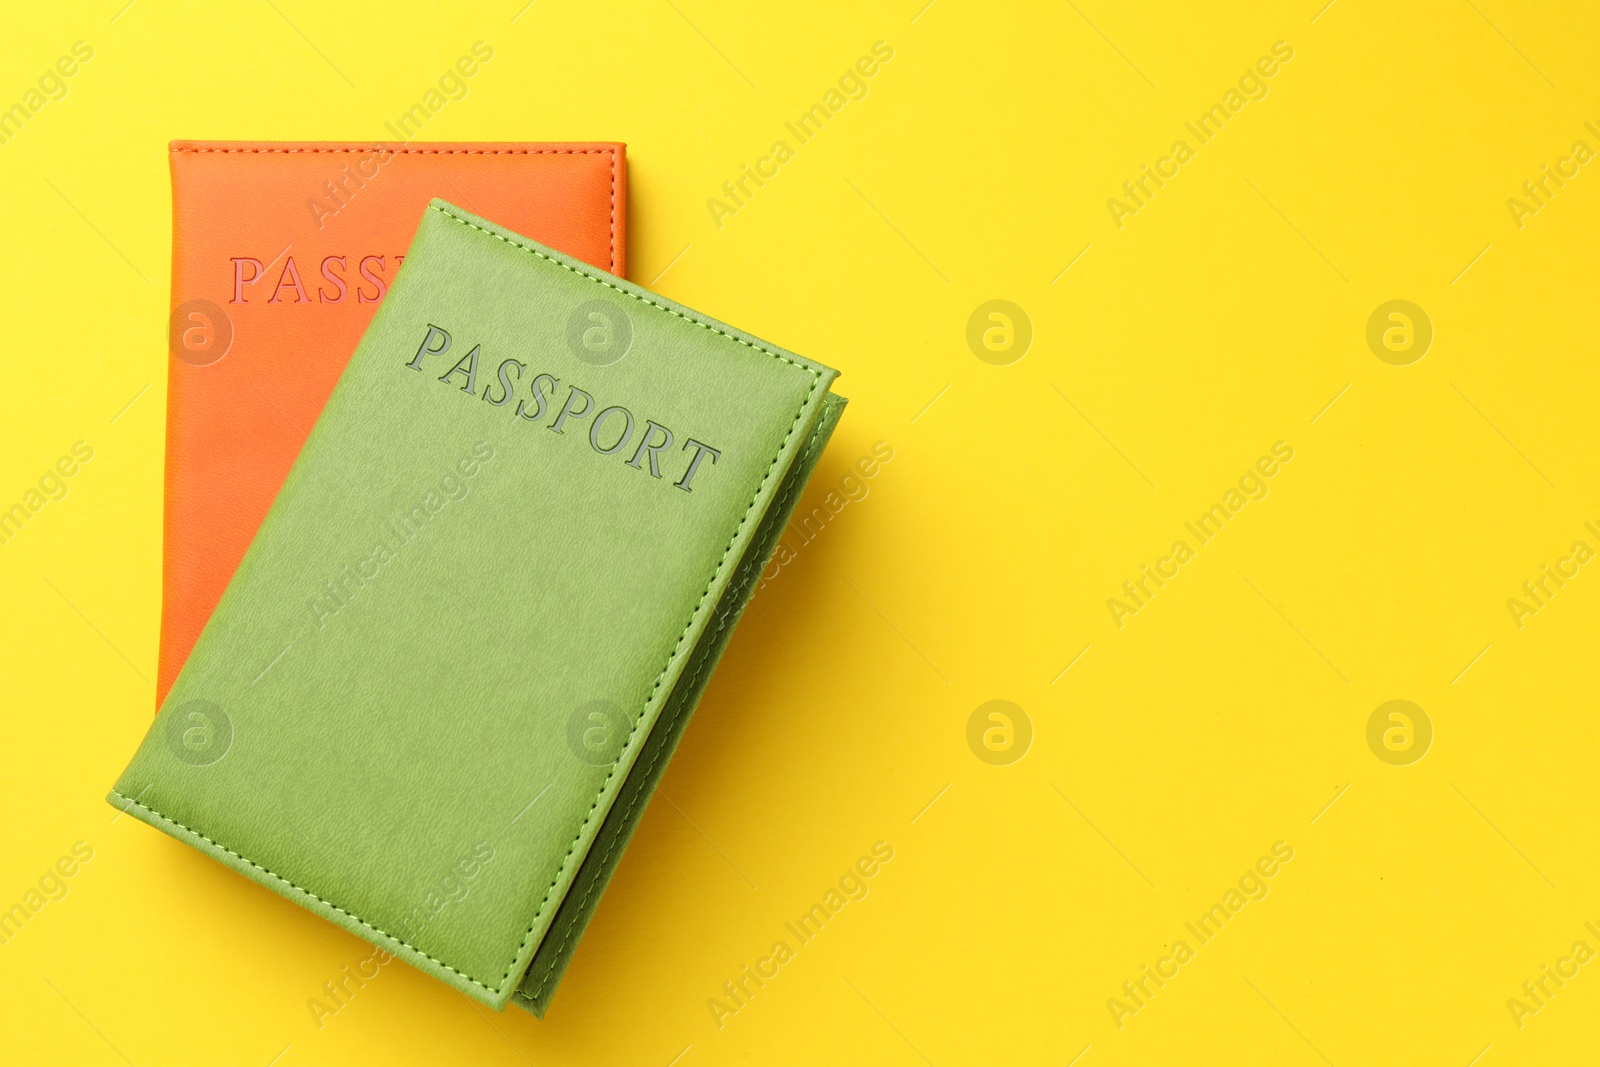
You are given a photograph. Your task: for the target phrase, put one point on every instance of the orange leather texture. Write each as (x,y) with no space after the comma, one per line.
(281,252)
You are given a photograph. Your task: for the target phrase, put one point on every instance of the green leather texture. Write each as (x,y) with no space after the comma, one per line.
(450,670)
(573,915)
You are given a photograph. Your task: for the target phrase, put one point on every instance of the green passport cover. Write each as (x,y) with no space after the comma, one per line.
(452,666)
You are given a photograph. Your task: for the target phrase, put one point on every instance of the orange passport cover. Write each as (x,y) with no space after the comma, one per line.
(281,252)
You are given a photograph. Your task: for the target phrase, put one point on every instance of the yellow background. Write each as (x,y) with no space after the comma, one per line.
(1228,714)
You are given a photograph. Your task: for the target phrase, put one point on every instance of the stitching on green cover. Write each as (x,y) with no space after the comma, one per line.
(215,844)
(593,807)
(778,505)
(645,300)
